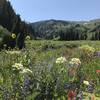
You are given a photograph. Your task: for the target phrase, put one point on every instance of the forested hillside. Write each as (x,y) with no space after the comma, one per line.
(10,20)
(67,30)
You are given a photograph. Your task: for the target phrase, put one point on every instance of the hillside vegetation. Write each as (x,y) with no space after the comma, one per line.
(67,30)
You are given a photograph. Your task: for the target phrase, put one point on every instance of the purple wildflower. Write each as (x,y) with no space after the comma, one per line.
(26,85)
(98,53)
(90,88)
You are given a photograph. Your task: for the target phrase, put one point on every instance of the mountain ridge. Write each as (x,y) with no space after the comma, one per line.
(49,29)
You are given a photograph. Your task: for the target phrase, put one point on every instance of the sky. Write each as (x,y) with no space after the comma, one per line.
(73,10)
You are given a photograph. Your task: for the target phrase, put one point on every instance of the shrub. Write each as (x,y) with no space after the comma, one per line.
(86,52)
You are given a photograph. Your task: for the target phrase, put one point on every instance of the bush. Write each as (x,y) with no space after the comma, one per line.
(86,52)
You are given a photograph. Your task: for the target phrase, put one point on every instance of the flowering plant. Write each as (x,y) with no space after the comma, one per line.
(25,71)
(86,82)
(97,71)
(74,62)
(60,60)
(87,50)
(19,67)
(13,35)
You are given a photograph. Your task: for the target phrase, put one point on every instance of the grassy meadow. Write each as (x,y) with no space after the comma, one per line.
(46,70)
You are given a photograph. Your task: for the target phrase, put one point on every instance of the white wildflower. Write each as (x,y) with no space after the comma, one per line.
(60,60)
(75,62)
(18,66)
(25,71)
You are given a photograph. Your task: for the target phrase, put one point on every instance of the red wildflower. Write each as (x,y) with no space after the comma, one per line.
(98,71)
(71,94)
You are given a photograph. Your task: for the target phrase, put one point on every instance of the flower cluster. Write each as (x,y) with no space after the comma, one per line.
(74,62)
(19,67)
(87,50)
(60,60)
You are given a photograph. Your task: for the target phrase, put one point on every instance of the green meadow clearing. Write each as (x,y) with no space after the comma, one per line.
(44,70)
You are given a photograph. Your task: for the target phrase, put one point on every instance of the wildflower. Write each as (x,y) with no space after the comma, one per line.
(13,35)
(98,53)
(86,83)
(26,84)
(22,70)
(90,88)
(75,62)
(18,66)
(97,71)
(25,71)
(71,95)
(60,60)
(13,52)
(28,37)
(87,50)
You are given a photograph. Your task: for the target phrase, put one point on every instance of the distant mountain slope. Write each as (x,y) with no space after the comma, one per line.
(95,20)
(50,29)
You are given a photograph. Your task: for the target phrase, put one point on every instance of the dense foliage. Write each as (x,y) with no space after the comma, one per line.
(51,70)
(12,21)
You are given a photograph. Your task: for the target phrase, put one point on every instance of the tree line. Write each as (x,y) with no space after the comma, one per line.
(64,30)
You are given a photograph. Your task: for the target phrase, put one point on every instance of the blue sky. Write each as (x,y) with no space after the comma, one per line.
(36,10)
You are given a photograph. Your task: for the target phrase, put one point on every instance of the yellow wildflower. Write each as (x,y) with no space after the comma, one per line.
(86,83)
(87,50)
(13,35)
